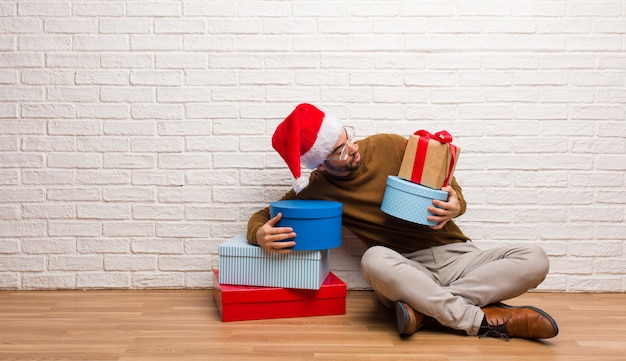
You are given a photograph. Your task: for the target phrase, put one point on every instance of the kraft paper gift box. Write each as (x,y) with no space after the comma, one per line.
(248,265)
(410,201)
(239,303)
(317,223)
(429,159)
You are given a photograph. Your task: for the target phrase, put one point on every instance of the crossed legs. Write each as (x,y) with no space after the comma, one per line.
(451,283)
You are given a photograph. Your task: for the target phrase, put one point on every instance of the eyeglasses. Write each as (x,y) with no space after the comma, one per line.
(344,152)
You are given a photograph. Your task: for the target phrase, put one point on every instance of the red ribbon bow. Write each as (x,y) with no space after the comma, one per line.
(424,137)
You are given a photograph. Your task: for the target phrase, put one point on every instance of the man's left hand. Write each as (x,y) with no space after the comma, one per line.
(443,211)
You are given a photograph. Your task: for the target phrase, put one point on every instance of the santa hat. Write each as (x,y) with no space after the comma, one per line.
(306,136)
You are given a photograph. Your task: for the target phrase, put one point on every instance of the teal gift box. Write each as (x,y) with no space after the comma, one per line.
(410,201)
(317,223)
(248,265)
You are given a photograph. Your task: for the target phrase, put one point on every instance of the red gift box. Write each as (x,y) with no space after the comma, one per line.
(239,303)
(429,159)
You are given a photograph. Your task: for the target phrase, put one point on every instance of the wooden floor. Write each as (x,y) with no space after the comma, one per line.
(184,325)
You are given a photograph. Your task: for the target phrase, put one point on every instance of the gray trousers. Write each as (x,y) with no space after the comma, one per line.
(451,283)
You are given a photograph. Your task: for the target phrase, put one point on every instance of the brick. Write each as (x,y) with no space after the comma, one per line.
(74,160)
(184,161)
(49,211)
(128,229)
(161,177)
(184,128)
(75,229)
(103,211)
(590,283)
(160,246)
(106,280)
(212,177)
(211,213)
(127,60)
(18,263)
(48,246)
(11,194)
(8,246)
(155,42)
(153,8)
(128,194)
(104,177)
(103,111)
(10,280)
(183,26)
(159,111)
(178,60)
(128,161)
(158,212)
(102,77)
(125,26)
(71,26)
(45,43)
(129,263)
(49,281)
(22,160)
(103,245)
(184,263)
(182,230)
(101,43)
(48,111)
(49,9)
(185,195)
(130,128)
(86,127)
(158,280)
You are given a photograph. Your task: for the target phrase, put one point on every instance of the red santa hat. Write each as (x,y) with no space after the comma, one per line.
(306,136)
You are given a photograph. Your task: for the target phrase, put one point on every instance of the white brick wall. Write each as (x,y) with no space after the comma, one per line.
(135,135)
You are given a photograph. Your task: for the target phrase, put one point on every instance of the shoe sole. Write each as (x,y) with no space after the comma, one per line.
(540,311)
(402,314)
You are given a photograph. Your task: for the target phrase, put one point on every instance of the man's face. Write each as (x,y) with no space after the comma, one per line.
(350,150)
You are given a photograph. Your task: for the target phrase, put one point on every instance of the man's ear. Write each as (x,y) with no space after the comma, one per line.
(321,167)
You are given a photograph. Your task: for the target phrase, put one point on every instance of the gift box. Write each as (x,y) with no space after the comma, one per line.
(429,159)
(317,223)
(410,201)
(239,303)
(244,264)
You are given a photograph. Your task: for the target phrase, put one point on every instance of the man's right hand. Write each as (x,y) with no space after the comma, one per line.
(273,238)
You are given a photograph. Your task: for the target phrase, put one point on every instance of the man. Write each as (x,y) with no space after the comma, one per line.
(424,272)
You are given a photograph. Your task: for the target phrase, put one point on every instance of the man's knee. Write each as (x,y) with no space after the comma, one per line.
(368,260)
(538,263)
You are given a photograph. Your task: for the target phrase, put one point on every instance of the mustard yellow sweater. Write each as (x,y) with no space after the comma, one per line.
(361,194)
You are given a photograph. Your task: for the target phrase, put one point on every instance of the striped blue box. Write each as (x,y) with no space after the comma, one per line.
(247,265)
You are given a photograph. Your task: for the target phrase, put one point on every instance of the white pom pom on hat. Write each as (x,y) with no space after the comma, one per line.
(306,136)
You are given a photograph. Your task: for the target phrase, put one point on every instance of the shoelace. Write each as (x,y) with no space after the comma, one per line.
(493,331)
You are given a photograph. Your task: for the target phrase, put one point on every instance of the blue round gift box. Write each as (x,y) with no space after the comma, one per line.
(317,223)
(410,201)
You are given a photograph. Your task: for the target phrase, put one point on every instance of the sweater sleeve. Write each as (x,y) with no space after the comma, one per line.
(256,221)
(259,218)
(457,188)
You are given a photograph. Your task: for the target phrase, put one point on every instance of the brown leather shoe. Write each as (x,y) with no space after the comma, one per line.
(521,321)
(409,321)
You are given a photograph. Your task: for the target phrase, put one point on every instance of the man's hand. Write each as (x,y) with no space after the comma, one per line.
(442,211)
(273,238)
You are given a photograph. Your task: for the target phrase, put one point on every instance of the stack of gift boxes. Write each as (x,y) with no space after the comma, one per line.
(427,166)
(254,284)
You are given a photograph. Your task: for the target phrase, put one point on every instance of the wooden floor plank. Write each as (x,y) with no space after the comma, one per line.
(155,325)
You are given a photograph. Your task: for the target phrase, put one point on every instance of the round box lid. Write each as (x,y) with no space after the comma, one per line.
(306,208)
(414,188)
